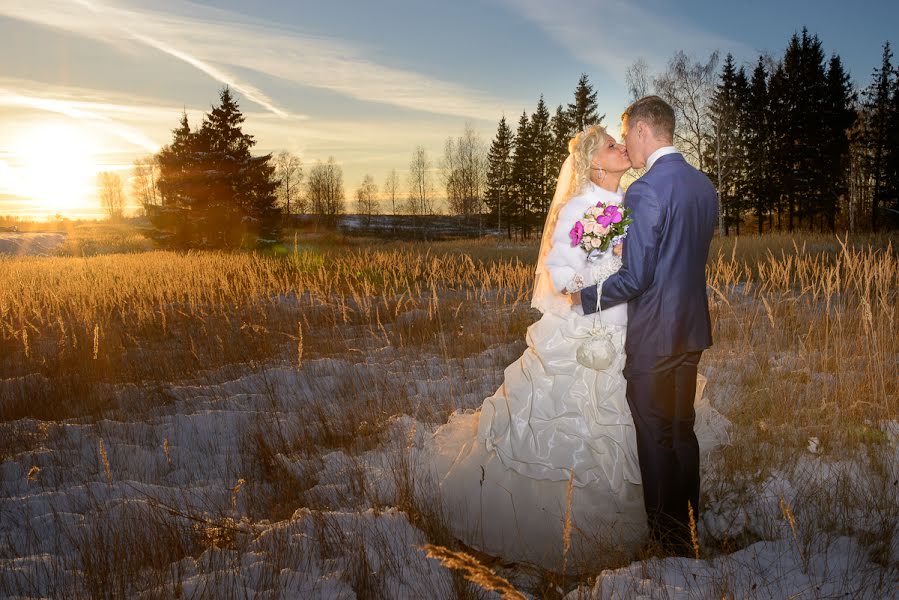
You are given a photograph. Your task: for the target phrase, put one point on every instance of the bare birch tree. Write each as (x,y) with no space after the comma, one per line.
(324,190)
(464,172)
(144,174)
(392,189)
(688,87)
(289,173)
(421,188)
(112,196)
(367,198)
(637,79)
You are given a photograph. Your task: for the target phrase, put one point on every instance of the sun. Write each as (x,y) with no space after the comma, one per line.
(57,167)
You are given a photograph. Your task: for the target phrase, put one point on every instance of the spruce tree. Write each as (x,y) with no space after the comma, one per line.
(522,169)
(785,131)
(545,170)
(838,119)
(217,188)
(878,97)
(891,158)
(723,149)
(563,131)
(811,103)
(499,175)
(583,111)
(756,141)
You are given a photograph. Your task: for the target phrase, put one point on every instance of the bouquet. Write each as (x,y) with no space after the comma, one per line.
(602,227)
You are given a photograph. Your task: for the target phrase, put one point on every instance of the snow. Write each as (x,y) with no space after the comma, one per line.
(174,473)
(30,244)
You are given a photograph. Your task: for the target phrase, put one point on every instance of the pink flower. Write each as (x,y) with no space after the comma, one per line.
(576,234)
(610,215)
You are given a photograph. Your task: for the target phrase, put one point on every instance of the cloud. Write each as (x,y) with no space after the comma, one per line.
(81,112)
(216,41)
(612,34)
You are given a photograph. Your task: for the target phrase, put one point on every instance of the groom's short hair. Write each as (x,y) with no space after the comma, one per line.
(656,113)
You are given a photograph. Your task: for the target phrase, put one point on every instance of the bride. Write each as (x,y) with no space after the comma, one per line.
(546,472)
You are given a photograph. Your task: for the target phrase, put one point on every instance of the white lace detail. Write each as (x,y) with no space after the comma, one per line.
(599,271)
(576,283)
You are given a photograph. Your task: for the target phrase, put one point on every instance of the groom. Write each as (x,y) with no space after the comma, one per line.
(674,208)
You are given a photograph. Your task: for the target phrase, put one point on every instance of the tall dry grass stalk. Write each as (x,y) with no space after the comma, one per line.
(473,571)
(105,460)
(694,533)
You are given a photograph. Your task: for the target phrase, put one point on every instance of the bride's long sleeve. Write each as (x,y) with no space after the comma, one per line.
(564,262)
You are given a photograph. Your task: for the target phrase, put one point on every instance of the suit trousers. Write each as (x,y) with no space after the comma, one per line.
(660,392)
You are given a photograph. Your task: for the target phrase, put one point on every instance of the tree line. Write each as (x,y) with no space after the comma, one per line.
(789,142)
(206,188)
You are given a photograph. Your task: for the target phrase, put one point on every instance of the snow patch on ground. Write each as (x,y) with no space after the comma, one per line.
(189,469)
(30,244)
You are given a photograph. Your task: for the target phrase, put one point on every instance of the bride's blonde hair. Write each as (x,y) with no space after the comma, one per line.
(581,147)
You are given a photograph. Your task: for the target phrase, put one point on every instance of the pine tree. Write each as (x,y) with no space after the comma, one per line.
(756,143)
(724,148)
(583,111)
(891,158)
(522,175)
(878,96)
(811,103)
(543,161)
(838,118)
(217,189)
(563,131)
(499,175)
(785,131)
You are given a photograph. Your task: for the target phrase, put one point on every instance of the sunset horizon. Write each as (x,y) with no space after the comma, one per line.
(98,85)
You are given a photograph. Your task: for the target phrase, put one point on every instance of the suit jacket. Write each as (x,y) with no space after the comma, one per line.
(675,208)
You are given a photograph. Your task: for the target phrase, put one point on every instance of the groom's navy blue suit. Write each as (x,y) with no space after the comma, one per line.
(675,208)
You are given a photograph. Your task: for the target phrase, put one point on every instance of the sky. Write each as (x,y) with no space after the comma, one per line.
(90,85)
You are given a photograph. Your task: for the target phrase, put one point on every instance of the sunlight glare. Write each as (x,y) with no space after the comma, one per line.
(58,167)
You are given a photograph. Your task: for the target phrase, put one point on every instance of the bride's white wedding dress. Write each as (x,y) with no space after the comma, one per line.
(503,471)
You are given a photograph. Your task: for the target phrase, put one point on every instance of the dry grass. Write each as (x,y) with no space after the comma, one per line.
(806,345)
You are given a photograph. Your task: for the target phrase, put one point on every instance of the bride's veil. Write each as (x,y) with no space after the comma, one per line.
(545,297)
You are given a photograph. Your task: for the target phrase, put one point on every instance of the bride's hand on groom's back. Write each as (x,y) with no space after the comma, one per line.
(618,249)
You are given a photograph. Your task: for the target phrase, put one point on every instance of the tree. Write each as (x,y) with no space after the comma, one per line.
(877,109)
(145,172)
(289,173)
(367,198)
(688,87)
(421,189)
(214,191)
(522,175)
(545,169)
(838,119)
(583,111)
(324,191)
(811,103)
(562,132)
(637,79)
(112,196)
(756,143)
(499,174)
(392,189)
(724,147)
(464,173)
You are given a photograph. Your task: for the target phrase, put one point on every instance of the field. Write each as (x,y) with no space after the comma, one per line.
(248,425)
